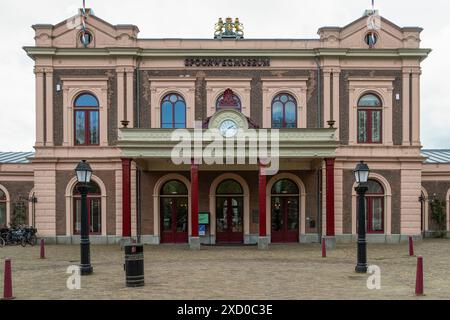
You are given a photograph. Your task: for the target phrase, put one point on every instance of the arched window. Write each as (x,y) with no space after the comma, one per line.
(284,111)
(94,198)
(174,188)
(370,119)
(228,187)
(174,208)
(86,120)
(375,207)
(2,209)
(285,201)
(173,112)
(228,100)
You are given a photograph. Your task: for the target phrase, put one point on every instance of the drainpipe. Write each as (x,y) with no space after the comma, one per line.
(138,93)
(138,206)
(319,172)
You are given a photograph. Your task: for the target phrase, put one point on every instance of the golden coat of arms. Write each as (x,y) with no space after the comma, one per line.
(229,29)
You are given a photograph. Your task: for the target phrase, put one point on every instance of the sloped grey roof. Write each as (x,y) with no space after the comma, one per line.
(15,157)
(436,155)
(432,155)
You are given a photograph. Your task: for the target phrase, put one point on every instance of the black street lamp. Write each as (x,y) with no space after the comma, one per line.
(84,173)
(361,175)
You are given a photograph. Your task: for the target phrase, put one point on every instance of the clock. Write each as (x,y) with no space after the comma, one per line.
(228,128)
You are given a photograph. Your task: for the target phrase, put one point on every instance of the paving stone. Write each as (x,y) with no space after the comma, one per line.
(282,272)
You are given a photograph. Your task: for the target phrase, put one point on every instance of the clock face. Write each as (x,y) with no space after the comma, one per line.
(228,128)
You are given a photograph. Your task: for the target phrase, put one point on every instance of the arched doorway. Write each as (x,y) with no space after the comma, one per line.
(229,212)
(174,206)
(285,211)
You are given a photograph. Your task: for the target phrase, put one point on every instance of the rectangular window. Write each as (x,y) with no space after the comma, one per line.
(362,126)
(93,128)
(2,214)
(80,128)
(167,116)
(369,126)
(376,126)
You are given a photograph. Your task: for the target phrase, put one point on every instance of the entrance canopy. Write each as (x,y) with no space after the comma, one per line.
(290,144)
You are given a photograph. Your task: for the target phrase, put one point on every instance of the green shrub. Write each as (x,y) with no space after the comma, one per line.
(439,215)
(19,214)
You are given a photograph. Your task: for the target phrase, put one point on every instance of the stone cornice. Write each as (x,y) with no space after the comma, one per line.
(34,52)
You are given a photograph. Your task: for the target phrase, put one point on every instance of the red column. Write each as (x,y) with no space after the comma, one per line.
(330,197)
(194,200)
(126,198)
(262,202)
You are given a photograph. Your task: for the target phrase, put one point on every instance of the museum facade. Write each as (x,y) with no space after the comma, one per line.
(227,140)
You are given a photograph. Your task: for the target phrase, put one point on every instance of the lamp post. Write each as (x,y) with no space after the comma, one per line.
(361,175)
(84,173)
(33,200)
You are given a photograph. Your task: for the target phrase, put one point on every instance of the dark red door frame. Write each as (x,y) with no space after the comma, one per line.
(87,126)
(369,125)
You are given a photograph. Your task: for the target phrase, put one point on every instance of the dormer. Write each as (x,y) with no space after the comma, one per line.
(101,34)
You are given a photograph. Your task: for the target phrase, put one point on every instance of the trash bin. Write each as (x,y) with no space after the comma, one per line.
(134,265)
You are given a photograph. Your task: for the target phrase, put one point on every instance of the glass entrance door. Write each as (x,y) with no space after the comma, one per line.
(174,220)
(173,210)
(230,222)
(285,219)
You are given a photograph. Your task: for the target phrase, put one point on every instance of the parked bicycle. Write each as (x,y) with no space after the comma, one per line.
(3,236)
(30,236)
(18,236)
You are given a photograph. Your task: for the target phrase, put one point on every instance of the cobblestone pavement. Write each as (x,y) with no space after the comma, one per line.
(283,272)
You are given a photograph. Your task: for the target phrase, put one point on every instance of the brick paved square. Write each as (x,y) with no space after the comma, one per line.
(283,272)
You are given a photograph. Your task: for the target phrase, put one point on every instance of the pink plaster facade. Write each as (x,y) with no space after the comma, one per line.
(131,76)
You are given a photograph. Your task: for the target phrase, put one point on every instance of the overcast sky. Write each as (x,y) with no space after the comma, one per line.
(196,18)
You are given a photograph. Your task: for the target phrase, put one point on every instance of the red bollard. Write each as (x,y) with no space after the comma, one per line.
(42,249)
(419,277)
(7,284)
(411,247)
(324,248)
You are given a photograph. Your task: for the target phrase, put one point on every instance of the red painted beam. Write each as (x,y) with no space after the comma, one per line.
(194,200)
(330,196)
(126,198)
(262,202)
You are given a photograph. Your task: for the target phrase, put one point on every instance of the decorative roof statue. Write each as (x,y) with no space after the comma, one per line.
(229,29)
(218,28)
(239,28)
